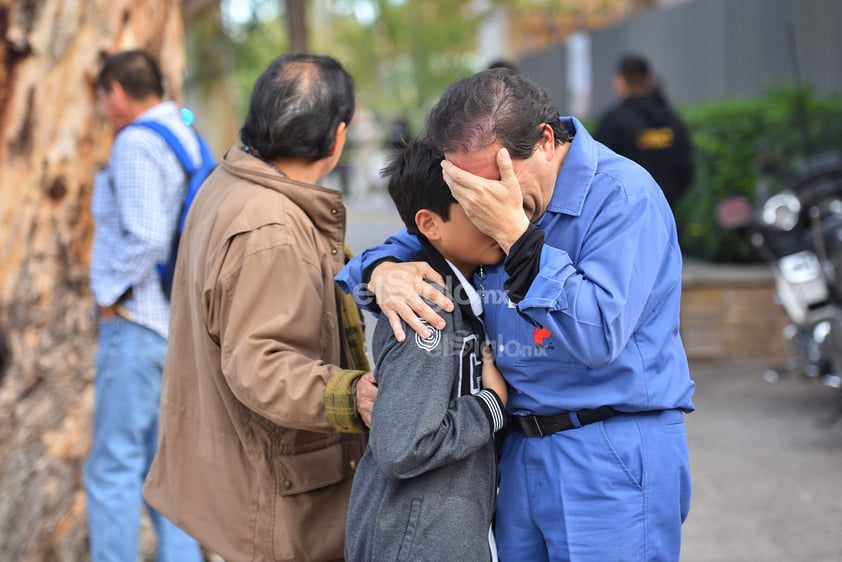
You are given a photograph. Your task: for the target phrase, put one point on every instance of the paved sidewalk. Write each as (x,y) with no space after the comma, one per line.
(766,468)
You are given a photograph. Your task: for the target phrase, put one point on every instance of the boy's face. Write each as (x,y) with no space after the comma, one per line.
(464,245)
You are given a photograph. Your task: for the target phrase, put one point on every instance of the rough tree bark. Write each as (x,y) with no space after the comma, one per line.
(296,12)
(51,141)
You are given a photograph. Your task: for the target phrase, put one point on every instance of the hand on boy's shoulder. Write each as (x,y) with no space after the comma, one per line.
(403,296)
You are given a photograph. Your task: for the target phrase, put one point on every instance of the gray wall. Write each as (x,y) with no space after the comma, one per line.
(706,50)
(548,68)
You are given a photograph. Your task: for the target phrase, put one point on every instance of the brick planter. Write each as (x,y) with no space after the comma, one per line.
(729,312)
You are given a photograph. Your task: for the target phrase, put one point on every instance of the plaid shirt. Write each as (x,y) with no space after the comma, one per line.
(136,201)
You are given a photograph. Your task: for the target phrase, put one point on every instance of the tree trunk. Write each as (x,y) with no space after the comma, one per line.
(296,11)
(51,142)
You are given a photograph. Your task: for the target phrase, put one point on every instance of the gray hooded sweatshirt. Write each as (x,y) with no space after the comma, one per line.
(425,488)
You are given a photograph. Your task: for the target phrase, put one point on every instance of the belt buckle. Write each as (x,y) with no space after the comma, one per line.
(535,425)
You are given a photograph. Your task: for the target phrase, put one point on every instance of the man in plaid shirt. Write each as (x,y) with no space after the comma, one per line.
(136,203)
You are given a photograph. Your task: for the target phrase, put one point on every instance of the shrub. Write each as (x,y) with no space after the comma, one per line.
(734,139)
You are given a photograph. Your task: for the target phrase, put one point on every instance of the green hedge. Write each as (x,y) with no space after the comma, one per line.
(732,137)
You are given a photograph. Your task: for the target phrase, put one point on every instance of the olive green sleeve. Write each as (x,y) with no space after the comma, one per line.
(341,403)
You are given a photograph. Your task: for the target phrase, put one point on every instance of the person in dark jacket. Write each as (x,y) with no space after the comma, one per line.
(425,487)
(644,128)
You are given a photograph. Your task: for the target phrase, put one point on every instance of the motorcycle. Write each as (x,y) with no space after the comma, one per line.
(798,232)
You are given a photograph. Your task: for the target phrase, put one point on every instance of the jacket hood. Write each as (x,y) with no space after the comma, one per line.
(438,262)
(651,109)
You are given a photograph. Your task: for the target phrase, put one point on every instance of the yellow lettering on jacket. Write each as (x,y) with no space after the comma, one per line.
(655,139)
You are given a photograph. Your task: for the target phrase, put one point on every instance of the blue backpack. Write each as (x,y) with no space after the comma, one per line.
(195,176)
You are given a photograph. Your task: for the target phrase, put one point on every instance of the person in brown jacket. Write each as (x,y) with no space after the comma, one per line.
(262,407)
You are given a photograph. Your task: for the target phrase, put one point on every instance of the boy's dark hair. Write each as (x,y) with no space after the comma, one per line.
(136,71)
(296,105)
(503,63)
(495,105)
(415,182)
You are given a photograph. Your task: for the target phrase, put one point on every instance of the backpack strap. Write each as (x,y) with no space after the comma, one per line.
(172,141)
(205,155)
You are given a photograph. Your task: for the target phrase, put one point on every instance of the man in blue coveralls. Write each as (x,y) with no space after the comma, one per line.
(585,314)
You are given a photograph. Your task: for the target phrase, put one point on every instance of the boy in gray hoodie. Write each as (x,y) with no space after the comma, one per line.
(425,488)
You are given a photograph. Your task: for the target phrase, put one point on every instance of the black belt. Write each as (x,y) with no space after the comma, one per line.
(538,426)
